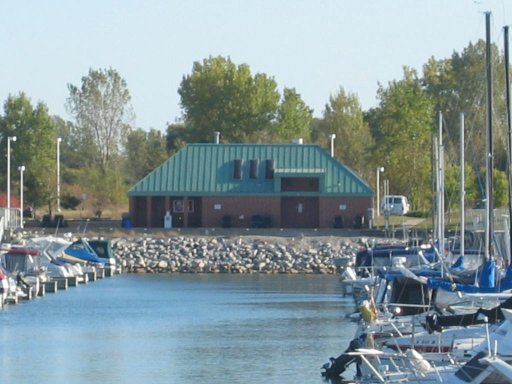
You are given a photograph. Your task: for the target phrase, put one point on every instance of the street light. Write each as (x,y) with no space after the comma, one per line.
(379,170)
(9,139)
(59,139)
(21,168)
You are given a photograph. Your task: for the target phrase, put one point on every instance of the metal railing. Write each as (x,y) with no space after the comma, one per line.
(10,218)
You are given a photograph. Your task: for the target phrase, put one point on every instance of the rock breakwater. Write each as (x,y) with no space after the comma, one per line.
(183,254)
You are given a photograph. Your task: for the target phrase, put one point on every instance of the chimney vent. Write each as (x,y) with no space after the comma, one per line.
(216,137)
(332,136)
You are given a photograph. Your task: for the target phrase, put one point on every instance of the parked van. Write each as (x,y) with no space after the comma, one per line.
(395,205)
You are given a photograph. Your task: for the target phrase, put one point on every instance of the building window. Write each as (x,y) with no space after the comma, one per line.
(253,169)
(237,169)
(178,206)
(300,184)
(190,205)
(269,169)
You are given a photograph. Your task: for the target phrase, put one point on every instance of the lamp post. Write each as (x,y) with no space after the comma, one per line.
(379,170)
(9,139)
(59,139)
(21,169)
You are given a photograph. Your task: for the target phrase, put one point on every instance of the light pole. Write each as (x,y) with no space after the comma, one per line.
(9,139)
(379,170)
(59,139)
(21,169)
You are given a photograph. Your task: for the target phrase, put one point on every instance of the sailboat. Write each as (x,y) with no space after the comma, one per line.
(489,362)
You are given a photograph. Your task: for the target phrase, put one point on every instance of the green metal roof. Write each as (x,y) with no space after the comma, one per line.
(207,169)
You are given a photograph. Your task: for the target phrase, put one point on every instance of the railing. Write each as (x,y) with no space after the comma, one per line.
(11,218)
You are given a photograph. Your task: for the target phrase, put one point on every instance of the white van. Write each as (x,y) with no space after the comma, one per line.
(395,205)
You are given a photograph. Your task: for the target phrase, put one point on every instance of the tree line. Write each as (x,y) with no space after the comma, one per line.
(102,153)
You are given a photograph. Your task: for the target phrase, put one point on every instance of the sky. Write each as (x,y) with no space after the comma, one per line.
(313,46)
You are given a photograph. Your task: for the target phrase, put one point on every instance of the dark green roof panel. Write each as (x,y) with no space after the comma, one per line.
(207,169)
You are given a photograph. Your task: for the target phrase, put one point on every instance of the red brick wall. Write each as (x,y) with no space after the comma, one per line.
(353,206)
(240,209)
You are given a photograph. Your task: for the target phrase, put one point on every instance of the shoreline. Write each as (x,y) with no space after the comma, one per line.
(223,250)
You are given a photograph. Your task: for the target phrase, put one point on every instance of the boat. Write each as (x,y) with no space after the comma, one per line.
(24,266)
(487,363)
(81,252)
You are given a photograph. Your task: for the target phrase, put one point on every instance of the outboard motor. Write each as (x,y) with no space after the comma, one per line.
(337,366)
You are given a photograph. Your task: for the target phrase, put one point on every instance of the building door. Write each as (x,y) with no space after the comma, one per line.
(299,212)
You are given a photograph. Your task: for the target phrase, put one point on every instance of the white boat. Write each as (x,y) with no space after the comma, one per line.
(486,363)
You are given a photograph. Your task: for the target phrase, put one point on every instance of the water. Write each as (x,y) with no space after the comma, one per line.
(178,329)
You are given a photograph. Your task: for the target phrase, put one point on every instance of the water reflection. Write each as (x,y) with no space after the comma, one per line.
(178,329)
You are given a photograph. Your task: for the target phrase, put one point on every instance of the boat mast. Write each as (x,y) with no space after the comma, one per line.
(489,161)
(462,187)
(440,187)
(509,126)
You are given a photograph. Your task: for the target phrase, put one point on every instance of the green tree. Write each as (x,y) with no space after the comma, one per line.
(221,96)
(177,136)
(452,186)
(144,152)
(404,120)
(35,147)
(500,186)
(101,108)
(344,118)
(459,84)
(294,117)
(103,187)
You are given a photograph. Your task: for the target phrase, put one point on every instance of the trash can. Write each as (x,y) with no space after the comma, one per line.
(359,222)
(338,222)
(227,221)
(46,221)
(59,221)
(126,221)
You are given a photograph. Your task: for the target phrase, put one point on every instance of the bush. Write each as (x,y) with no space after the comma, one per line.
(70,202)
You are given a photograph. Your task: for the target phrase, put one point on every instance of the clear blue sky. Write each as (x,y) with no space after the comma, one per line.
(312,46)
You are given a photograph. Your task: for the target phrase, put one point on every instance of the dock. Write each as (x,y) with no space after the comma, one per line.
(55,284)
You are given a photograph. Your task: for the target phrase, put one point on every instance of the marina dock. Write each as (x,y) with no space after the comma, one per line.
(55,284)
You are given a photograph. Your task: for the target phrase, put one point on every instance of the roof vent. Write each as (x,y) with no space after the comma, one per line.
(216,137)
(298,141)
(332,136)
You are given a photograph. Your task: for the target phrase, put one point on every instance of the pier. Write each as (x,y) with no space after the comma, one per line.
(53,285)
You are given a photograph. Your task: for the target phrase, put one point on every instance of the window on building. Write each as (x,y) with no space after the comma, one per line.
(237,169)
(253,169)
(269,169)
(300,184)
(178,206)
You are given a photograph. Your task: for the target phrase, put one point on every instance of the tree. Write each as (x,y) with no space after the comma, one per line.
(35,147)
(344,118)
(177,136)
(294,117)
(103,187)
(458,84)
(101,107)
(452,186)
(144,152)
(221,96)
(405,119)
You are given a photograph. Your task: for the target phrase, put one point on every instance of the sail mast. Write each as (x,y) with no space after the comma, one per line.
(489,161)
(462,187)
(509,126)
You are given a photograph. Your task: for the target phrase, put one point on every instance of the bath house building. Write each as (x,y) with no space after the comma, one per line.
(251,185)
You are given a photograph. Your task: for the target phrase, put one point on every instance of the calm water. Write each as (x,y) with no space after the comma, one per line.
(177,329)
